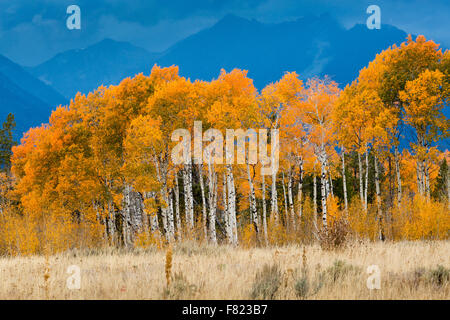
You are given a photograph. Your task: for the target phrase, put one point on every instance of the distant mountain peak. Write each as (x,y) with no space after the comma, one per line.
(362,26)
(103,63)
(111,43)
(107,40)
(230,20)
(230,17)
(322,18)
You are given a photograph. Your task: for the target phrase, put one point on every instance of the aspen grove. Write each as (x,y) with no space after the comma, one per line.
(100,173)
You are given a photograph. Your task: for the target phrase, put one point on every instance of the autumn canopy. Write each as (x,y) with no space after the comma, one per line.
(100,172)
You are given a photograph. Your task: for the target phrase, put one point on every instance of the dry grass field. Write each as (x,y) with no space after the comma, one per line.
(408,270)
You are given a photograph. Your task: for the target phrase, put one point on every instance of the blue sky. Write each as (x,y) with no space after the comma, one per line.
(32,31)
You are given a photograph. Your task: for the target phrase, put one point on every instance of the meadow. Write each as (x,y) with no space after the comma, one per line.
(188,270)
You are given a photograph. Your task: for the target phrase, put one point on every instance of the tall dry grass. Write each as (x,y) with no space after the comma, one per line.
(409,270)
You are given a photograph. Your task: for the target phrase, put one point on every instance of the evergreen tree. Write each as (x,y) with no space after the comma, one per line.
(7,142)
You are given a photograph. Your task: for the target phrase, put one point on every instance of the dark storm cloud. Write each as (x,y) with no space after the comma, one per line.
(155,25)
(145,12)
(32,31)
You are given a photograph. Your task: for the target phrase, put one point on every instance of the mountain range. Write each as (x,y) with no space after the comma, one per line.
(83,70)
(29,99)
(311,46)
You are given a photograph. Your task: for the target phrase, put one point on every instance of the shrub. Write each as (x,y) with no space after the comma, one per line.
(267,282)
(439,276)
(179,288)
(305,286)
(335,236)
(302,287)
(340,269)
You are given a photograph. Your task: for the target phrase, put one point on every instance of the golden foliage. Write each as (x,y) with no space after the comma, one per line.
(421,218)
(67,180)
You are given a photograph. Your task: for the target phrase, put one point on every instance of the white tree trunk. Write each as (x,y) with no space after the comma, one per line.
(252,199)
(422,177)
(274,200)
(286,211)
(344,182)
(300,191)
(366,180)
(327,181)
(170,218)
(226,216)
(399,180)
(202,187)
(448,188)
(168,231)
(315,196)
(212,223)
(419,182)
(212,180)
(377,189)
(177,208)
(361,186)
(232,204)
(188,197)
(315,205)
(264,213)
(324,195)
(126,219)
(166,214)
(290,200)
(427,179)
